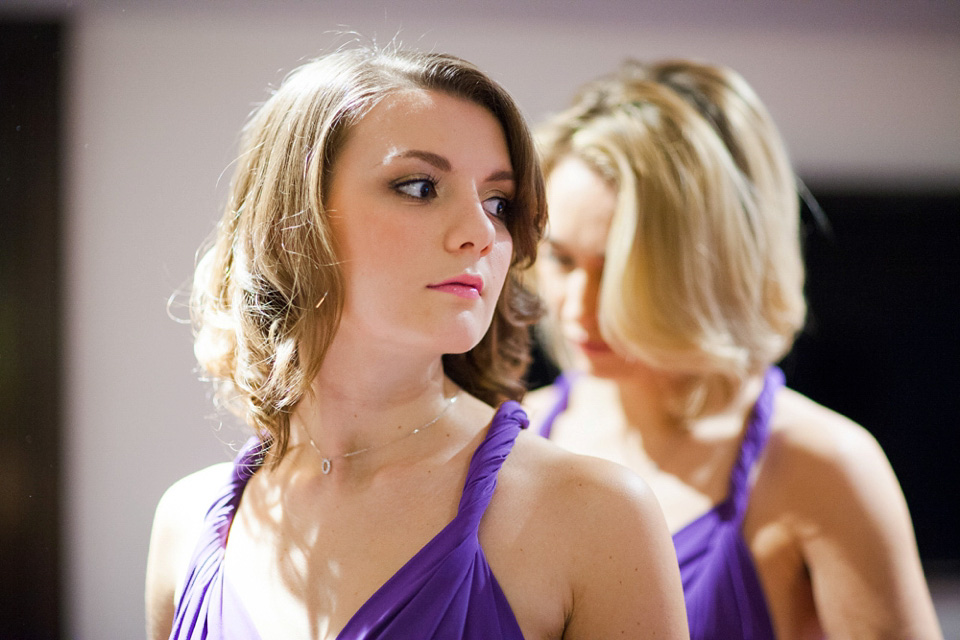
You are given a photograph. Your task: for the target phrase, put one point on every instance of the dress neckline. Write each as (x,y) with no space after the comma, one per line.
(752,444)
(480,482)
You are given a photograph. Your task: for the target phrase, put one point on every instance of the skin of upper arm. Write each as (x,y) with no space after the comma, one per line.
(856,535)
(176,527)
(161,580)
(623,570)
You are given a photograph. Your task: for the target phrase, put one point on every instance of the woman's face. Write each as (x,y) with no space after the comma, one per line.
(581,205)
(417,200)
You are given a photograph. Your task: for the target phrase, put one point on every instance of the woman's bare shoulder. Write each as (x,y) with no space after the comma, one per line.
(183,506)
(194,493)
(800,415)
(829,481)
(806,433)
(599,526)
(824,468)
(583,496)
(177,525)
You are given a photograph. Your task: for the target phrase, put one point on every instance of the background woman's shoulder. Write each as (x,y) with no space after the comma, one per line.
(825,468)
(804,431)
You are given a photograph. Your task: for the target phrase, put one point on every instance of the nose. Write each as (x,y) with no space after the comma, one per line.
(472,229)
(580,297)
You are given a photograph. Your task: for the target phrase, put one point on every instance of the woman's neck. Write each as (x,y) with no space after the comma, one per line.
(643,408)
(365,397)
(629,420)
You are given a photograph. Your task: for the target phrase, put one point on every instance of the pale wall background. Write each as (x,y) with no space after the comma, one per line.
(157,92)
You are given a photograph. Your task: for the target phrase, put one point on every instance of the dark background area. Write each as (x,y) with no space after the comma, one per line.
(30,331)
(881,344)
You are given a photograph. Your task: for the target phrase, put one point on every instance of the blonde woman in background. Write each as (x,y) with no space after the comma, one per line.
(360,307)
(674,278)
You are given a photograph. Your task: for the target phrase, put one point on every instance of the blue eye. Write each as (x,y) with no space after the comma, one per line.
(420,188)
(497,207)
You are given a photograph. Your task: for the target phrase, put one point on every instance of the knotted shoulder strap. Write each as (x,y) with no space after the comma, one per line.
(754,440)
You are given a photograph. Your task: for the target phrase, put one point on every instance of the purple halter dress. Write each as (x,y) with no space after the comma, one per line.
(721,588)
(445,591)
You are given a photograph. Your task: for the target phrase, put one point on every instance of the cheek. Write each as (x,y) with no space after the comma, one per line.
(373,274)
(551,284)
(501,254)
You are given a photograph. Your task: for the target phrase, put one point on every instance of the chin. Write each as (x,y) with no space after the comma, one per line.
(453,345)
(462,334)
(605,364)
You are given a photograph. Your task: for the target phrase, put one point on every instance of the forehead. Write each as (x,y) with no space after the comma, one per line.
(429,120)
(581,206)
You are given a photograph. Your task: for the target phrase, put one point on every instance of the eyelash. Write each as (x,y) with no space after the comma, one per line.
(432,182)
(505,213)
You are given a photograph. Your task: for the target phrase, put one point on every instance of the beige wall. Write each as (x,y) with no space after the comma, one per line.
(156,97)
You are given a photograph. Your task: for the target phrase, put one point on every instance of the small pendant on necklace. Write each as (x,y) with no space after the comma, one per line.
(325,466)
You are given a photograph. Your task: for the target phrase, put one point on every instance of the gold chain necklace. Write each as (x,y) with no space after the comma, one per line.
(326,466)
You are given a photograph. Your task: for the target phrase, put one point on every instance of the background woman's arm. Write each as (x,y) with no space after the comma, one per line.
(857,538)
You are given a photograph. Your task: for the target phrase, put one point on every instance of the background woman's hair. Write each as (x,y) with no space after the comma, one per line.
(704,273)
(268,290)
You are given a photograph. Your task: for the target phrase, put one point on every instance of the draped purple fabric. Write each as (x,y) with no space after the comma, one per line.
(446,590)
(721,588)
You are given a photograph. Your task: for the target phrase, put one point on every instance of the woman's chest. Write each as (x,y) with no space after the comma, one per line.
(304,570)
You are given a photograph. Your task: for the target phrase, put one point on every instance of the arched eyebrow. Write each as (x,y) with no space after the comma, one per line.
(500,176)
(441,163)
(429,157)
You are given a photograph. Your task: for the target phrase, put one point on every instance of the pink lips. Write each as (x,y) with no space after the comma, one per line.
(593,347)
(463,286)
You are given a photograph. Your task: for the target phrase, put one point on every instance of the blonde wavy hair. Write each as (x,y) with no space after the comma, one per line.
(704,274)
(268,290)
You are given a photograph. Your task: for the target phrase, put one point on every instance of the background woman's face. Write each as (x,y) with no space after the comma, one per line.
(581,205)
(417,202)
